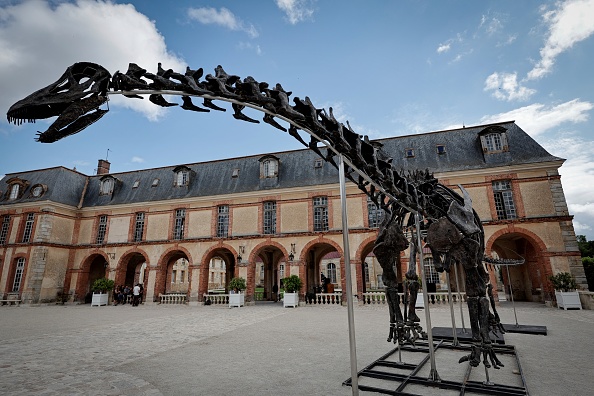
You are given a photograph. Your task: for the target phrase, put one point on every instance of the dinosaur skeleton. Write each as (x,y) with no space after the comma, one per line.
(451,229)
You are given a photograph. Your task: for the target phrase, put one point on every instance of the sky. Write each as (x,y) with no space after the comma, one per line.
(391,68)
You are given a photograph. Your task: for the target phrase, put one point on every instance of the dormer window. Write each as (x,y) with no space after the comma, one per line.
(235,173)
(107,184)
(182,176)
(409,153)
(15,190)
(38,190)
(441,149)
(269,167)
(136,184)
(155,183)
(16,187)
(318,163)
(494,140)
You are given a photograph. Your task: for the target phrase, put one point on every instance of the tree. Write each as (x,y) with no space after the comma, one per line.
(586,247)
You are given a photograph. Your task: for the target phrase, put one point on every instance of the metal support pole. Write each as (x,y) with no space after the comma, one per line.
(433,375)
(454,330)
(511,292)
(459,298)
(347,272)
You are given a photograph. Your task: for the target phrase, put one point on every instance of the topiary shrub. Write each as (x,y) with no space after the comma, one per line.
(237,283)
(102,285)
(292,284)
(563,281)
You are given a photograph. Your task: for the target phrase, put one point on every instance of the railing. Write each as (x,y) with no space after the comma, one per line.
(174,298)
(324,298)
(434,298)
(216,299)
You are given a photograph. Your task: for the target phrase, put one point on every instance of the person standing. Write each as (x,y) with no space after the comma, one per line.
(135,295)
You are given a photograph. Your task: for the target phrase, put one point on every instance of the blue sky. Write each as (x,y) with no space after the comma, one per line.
(389,67)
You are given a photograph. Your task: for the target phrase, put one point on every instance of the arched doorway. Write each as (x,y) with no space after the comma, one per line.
(130,271)
(219,268)
(314,267)
(173,275)
(93,268)
(527,281)
(268,270)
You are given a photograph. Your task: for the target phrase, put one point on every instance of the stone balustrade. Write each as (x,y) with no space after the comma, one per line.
(434,298)
(217,299)
(172,298)
(324,298)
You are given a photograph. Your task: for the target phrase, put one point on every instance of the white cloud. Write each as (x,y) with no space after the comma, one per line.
(505,86)
(243,45)
(568,24)
(222,17)
(38,42)
(443,48)
(538,118)
(137,159)
(296,10)
(491,24)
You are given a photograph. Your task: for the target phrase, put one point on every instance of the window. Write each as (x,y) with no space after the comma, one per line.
(269,168)
(28,227)
(101,229)
(431,275)
(223,221)
(270,217)
(136,184)
(281,271)
(318,163)
(155,183)
(37,191)
(409,153)
(494,140)
(375,215)
(139,227)
(178,227)
(173,276)
(504,200)
(235,173)
(331,271)
(441,149)
(182,276)
(182,178)
(107,186)
(14,191)
(366,266)
(4,229)
(18,274)
(320,206)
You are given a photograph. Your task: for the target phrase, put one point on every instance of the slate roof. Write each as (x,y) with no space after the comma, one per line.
(463,152)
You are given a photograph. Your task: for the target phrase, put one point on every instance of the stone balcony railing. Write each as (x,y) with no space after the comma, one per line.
(434,298)
(173,298)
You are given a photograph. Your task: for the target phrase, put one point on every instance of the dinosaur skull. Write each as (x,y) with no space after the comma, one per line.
(75,99)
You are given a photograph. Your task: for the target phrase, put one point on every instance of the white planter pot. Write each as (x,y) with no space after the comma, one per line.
(99,299)
(291,300)
(236,300)
(568,300)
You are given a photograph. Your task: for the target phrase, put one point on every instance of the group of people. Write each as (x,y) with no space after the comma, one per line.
(121,294)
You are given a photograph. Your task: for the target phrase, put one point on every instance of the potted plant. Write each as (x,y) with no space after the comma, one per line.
(292,285)
(101,288)
(236,297)
(565,290)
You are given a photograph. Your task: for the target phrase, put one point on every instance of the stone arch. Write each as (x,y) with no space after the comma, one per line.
(123,267)
(89,270)
(165,261)
(272,254)
(228,254)
(365,247)
(527,281)
(309,271)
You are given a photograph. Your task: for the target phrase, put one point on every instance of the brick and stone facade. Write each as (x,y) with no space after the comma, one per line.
(85,227)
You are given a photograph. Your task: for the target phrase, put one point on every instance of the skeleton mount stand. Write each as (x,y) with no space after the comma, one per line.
(438,217)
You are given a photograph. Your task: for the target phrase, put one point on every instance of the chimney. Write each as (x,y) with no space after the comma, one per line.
(103,167)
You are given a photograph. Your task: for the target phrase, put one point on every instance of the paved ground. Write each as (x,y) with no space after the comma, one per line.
(256,350)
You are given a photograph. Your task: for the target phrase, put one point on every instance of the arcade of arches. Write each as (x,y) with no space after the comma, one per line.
(180,270)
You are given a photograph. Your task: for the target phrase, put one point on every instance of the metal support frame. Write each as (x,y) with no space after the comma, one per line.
(383,369)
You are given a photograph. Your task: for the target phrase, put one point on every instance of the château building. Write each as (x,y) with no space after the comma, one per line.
(189,228)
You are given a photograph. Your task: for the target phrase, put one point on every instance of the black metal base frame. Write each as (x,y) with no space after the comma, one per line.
(401,381)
